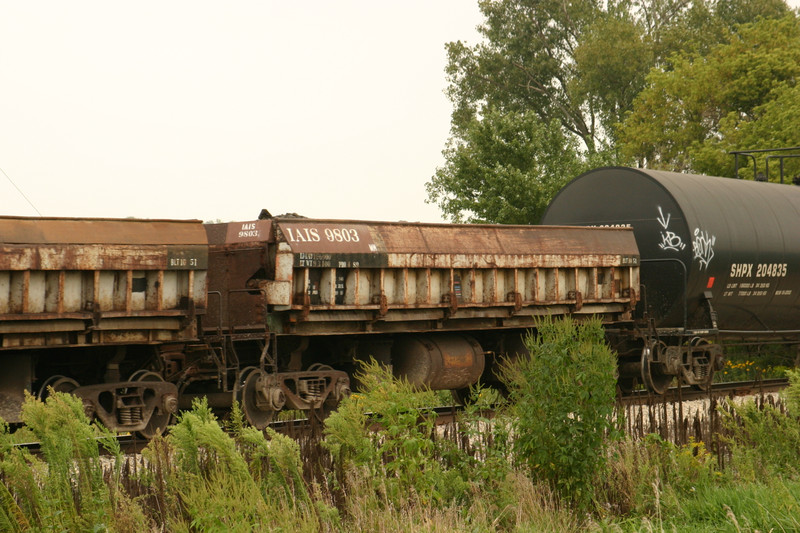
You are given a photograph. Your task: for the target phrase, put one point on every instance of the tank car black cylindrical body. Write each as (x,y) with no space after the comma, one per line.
(711,248)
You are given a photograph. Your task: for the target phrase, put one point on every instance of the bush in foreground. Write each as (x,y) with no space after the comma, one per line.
(562,405)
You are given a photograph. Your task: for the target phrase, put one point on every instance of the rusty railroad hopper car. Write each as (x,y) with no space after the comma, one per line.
(298,301)
(86,306)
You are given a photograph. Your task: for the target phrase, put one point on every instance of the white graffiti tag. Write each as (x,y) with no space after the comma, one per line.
(703,247)
(669,240)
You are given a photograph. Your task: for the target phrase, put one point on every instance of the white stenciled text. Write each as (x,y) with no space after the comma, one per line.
(762,270)
(301,234)
(248,230)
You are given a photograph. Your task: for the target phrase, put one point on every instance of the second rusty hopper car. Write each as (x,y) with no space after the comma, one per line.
(296,298)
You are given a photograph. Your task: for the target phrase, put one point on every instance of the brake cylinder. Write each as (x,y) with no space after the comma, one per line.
(438,361)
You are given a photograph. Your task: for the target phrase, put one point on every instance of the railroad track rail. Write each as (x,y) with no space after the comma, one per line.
(687,393)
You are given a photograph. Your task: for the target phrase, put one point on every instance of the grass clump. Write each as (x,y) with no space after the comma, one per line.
(210,480)
(652,477)
(63,488)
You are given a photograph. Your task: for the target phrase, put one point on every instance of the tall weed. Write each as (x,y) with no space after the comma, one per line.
(481,448)
(386,432)
(763,440)
(562,402)
(213,481)
(63,489)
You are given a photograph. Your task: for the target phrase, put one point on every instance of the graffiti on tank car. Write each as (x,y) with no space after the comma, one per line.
(669,239)
(703,247)
(663,221)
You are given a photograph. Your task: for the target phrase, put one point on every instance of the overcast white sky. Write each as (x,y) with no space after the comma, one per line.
(212,110)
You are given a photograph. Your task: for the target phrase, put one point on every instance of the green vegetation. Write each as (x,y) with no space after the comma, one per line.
(556,88)
(562,404)
(767,362)
(552,459)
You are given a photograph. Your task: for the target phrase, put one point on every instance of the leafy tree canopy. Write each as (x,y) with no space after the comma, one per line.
(505,169)
(556,79)
(741,95)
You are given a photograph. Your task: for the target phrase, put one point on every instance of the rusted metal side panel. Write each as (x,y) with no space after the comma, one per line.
(69,281)
(102,257)
(340,276)
(502,240)
(24,230)
(239,261)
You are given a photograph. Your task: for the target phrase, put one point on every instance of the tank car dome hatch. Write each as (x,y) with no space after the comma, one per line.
(731,243)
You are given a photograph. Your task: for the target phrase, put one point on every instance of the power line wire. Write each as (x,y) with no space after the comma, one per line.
(20,191)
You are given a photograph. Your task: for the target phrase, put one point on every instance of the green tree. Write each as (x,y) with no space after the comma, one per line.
(736,97)
(575,61)
(525,64)
(545,65)
(611,62)
(506,169)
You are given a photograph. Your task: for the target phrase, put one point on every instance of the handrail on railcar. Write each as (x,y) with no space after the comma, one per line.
(751,154)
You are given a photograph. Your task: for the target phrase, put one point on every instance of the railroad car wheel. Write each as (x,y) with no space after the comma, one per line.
(705,386)
(58,384)
(319,367)
(139,374)
(257,416)
(160,419)
(652,375)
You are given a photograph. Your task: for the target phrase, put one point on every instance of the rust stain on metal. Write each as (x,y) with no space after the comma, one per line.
(23,230)
(102,257)
(493,240)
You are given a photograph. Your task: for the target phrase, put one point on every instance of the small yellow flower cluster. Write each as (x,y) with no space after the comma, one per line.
(747,365)
(743,370)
